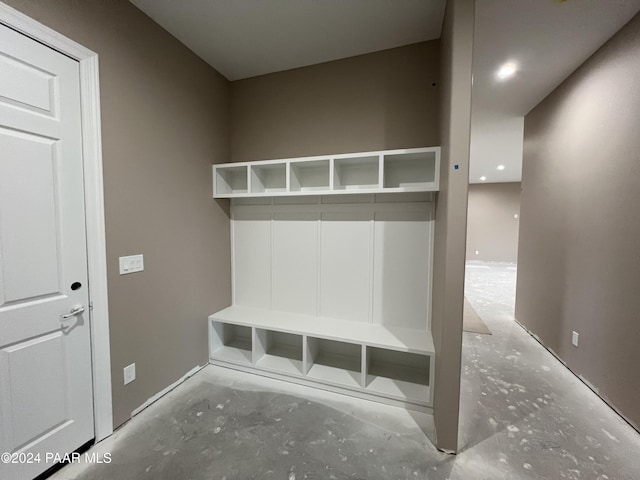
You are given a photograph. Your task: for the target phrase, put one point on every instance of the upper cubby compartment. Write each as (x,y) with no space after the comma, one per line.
(269,178)
(230,180)
(414,171)
(310,175)
(408,170)
(356,173)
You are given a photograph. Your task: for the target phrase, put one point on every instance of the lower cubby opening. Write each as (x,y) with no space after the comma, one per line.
(231,342)
(398,374)
(334,362)
(278,351)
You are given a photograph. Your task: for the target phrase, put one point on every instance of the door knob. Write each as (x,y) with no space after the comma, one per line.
(76,310)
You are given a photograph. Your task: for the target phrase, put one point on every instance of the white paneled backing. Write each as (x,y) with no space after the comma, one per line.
(364,262)
(26,86)
(295,262)
(251,231)
(29,240)
(35,403)
(346,265)
(402,269)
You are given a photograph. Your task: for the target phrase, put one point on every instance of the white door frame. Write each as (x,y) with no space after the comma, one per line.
(94,205)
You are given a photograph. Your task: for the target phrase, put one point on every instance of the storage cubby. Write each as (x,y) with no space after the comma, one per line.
(410,170)
(269,178)
(356,173)
(318,276)
(398,374)
(372,361)
(231,343)
(334,362)
(278,351)
(231,180)
(310,176)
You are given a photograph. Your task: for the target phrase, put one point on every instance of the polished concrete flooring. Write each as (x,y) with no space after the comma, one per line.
(523,416)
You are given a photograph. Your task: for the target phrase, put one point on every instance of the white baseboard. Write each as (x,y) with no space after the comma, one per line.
(163,392)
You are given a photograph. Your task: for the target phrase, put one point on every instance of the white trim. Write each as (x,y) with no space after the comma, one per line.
(94,204)
(164,391)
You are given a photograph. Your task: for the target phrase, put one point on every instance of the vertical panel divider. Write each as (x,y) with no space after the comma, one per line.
(437,170)
(372,259)
(380,171)
(287,173)
(365,366)
(310,352)
(305,355)
(216,338)
(233,252)
(272,252)
(318,260)
(319,265)
(432,222)
(432,376)
(331,173)
(254,345)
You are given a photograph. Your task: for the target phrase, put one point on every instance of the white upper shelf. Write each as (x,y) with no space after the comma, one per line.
(407,170)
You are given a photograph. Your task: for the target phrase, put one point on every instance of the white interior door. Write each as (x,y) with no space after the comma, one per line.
(46,397)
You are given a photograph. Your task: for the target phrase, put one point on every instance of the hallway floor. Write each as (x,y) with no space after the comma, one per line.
(523,416)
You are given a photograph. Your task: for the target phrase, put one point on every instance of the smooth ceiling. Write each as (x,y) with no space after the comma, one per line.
(548,40)
(246,38)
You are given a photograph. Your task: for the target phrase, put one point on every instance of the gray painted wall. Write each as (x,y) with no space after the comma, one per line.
(378,101)
(492,229)
(579,255)
(164,122)
(451,216)
(167,116)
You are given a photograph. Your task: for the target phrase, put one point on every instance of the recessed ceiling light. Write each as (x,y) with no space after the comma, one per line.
(483,178)
(500,167)
(507,70)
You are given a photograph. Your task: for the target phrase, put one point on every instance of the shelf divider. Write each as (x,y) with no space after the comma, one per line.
(404,170)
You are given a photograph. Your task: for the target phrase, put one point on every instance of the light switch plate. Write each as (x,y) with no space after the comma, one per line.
(131,264)
(129,373)
(574,339)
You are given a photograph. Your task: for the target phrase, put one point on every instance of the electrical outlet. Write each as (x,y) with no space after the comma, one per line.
(131,264)
(129,373)
(574,339)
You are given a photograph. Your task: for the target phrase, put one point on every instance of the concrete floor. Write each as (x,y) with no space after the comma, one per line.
(523,416)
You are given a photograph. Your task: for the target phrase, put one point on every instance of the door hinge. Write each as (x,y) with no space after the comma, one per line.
(90,306)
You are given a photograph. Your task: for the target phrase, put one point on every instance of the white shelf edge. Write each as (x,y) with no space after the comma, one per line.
(372,335)
(432,187)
